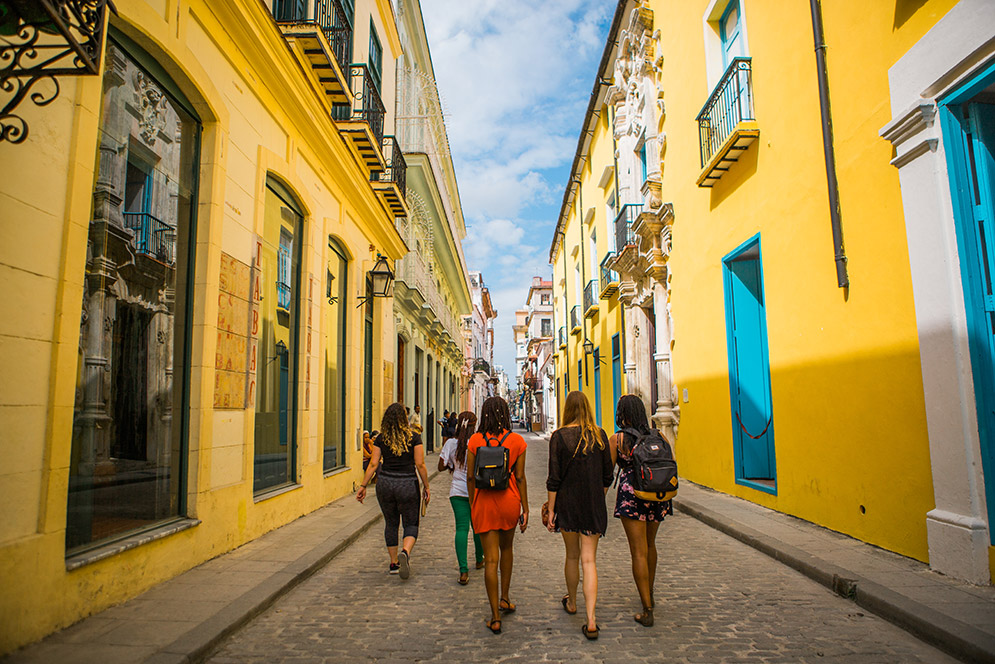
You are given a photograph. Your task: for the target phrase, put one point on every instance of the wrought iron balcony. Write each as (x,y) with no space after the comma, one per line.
(591,298)
(151,236)
(480,365)
(563,336)
(609,277)
(575,319)
(391,182)
(362,121)
(325,37)
(624,236)
(726,123)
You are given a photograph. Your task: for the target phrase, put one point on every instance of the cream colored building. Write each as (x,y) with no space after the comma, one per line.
(432,290)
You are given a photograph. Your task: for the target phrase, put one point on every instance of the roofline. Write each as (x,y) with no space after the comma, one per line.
(607,55)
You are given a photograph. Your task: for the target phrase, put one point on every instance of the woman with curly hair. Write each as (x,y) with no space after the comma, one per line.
(641,519)
(399,456)
(496,512)
(581,460)
(453,458)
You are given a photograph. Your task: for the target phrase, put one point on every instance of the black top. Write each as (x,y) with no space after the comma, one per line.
(580,487)
(391,464)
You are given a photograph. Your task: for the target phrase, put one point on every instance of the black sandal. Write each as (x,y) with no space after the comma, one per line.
(564,601)
(590,634)
(495,630)
(504,606)
(645,618)
(464,578)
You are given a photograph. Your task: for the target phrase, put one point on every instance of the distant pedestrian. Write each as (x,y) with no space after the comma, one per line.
(581,461)
(431,430)
(641,519)
(453,458)
(398,460)
(414,420)
(368,439)
(496,512)
(452,424)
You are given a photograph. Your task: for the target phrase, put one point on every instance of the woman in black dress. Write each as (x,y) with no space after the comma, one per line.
(580,471)
(641,519)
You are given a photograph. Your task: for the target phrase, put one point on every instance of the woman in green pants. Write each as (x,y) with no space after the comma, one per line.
(453,457)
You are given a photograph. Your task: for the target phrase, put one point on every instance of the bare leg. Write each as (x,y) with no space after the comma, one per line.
(506,541)
(635,532)
(392,552)
(588,558)
(571,568)
(408,543)
(651,554)
(491,543)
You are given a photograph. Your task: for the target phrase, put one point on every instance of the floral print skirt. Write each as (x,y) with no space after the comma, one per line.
(630,507)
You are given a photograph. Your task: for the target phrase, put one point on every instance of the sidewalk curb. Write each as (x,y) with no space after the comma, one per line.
(952,636)
(203,640)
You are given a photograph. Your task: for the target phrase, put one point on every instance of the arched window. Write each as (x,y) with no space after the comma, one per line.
(278,266)
(130,416)
(336,325)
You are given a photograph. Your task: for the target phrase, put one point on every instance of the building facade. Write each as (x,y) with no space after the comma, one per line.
(793,369)
(431,294)
(187,234)
(538,386)
(478,335)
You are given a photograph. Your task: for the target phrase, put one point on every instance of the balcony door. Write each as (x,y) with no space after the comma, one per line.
(731,33)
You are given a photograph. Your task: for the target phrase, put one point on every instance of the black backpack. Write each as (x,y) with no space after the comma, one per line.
(491,466)
(654,474)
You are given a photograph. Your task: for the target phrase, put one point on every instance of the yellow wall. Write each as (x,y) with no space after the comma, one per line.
(845,375)
(260,115)
(608,320)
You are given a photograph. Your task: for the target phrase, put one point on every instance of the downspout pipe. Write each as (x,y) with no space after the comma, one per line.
(842,279)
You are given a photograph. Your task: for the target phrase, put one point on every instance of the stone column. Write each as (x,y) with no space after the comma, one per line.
(665,413)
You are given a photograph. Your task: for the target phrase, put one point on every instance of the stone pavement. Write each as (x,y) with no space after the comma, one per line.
(317,590)
(719,601)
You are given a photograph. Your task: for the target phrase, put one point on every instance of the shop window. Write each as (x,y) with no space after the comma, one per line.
(336,326)
(279,256)
(130,414)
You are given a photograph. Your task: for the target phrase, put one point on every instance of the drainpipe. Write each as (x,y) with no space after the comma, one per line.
(566,303)
(583,280)
(827,143)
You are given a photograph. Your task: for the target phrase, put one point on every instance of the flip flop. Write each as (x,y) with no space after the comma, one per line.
(566,598)
(464,578)
(504,606)
(590,634)
(645,618)
(495,630)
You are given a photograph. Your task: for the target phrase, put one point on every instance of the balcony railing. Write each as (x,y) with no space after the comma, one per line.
(575,318)
(413,273)
(328,15)
(591,297)
(563,336)
(626,217)
(729,104)
(481,365)
(151,236)
(367,106)
(392,181)
(609,277)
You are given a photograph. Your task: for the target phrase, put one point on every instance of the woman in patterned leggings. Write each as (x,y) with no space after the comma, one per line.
(399,456)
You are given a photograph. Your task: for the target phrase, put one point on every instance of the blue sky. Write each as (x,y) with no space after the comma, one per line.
(515,77)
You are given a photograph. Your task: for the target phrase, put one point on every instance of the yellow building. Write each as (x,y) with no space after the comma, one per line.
(184,239)
(587,304)
(849,384)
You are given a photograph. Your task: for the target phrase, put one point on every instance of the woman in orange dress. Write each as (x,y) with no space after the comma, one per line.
(496,512)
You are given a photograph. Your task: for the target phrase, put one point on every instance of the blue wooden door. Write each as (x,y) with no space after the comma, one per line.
(616,374)
(749,372)
(974,175)
(597,385)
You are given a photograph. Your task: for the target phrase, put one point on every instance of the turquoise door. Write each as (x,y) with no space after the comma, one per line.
(971,128)
(616,375)
(749,370)
(597,385)
(731,33)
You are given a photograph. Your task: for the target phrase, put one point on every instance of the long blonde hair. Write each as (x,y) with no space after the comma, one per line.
(577,410)
(394,429)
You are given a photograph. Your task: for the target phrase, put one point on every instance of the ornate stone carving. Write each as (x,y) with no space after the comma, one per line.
(151,104)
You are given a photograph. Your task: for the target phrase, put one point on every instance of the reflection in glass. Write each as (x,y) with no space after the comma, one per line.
(126,458)
(275,460)
(335,353)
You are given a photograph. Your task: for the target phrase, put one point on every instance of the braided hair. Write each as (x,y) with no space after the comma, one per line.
(464,429)
(494,417)
(631,414)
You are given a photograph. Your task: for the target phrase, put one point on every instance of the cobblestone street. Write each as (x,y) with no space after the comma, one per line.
(719,601)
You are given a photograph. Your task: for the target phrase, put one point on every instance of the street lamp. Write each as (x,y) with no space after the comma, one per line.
(588,347)
(382,277)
